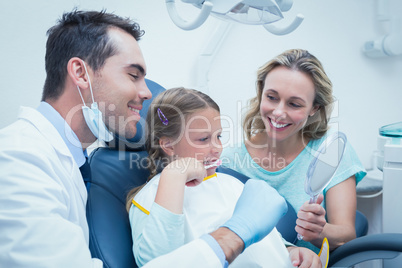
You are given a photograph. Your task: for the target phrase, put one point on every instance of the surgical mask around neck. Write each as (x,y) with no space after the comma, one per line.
(93,116)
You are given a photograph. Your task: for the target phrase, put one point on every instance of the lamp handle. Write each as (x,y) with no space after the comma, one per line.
(183,24)
(287,29)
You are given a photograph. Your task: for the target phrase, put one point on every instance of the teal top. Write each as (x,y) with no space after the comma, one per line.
(289,181)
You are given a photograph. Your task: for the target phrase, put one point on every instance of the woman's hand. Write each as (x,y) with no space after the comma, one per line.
(304,258)
(311,221)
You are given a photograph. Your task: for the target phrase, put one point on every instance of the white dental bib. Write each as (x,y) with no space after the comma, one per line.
(207,206)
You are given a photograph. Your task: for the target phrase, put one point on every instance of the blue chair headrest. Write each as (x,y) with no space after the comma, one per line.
(138,142)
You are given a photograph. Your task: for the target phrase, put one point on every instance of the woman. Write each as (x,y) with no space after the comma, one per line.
(285,124)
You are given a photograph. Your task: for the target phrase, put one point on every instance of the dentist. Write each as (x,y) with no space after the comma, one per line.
(95,78)
(95,71)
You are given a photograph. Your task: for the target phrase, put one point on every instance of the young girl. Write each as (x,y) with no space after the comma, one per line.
(285,123)
(167,213)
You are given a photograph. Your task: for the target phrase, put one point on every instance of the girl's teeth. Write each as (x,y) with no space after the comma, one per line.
(217,163)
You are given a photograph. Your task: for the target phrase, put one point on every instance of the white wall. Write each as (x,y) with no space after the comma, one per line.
(368,90)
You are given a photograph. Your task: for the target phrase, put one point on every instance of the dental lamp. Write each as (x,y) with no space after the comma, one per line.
(256,12)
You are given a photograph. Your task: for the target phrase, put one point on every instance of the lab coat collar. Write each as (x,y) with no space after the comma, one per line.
(45,128)
(49,131)
(65,131)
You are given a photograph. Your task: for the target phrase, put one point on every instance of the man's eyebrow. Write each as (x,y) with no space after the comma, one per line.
(138,67)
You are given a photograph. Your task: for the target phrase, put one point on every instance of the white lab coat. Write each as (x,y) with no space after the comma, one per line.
(42,198)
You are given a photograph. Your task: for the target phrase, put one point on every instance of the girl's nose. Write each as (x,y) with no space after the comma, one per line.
(216,147)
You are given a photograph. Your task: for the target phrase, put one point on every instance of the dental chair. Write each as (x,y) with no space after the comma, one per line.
(121,166)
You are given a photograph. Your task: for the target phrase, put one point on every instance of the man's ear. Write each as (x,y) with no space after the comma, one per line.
(76,72)
(167,146)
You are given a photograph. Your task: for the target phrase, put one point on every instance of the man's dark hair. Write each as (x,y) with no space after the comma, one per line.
(82,34)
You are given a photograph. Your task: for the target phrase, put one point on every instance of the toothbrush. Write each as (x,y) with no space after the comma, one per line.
(217,163)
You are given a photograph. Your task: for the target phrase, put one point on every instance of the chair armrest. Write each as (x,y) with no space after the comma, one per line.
(371,247)
(361,224)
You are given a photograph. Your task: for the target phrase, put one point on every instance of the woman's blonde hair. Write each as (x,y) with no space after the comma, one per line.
(166,117)
(303,61)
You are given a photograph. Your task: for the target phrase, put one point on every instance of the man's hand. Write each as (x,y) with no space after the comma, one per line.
(257,212)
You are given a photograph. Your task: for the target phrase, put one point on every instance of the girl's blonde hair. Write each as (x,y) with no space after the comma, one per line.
(303,61)
(166,117)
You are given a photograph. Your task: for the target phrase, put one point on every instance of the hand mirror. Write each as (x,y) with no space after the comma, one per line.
(324,165)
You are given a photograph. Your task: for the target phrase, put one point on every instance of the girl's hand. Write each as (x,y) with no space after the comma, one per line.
(190,169)
(304,258)
(181,172)
(311,221)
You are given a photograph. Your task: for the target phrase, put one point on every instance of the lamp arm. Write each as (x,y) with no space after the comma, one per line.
(185,25)
(287,29)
